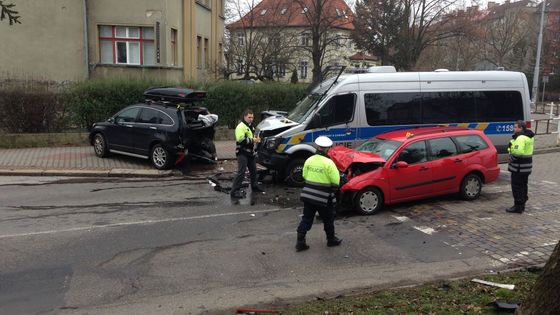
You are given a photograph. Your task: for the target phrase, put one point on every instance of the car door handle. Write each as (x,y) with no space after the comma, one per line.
(458,160)
(152,127)
(129,126)
(424,168)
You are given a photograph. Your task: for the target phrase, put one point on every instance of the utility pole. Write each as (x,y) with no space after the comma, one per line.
(538,59)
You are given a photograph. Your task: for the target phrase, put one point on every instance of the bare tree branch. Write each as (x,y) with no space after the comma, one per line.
(8,11)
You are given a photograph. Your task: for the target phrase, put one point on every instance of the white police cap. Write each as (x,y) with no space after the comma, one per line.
(324,142)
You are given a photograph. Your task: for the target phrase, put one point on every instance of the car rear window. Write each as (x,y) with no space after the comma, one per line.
(471,143)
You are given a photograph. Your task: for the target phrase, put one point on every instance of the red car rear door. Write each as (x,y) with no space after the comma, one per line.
(448,167)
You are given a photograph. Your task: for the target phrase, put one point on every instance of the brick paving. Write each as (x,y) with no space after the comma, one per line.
(83,158)
(483,225)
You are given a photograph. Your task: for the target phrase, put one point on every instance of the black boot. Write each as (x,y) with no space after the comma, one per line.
(333,241)
(301,245)
(516,209)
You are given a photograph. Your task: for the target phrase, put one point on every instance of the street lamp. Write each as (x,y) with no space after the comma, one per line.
(538,58)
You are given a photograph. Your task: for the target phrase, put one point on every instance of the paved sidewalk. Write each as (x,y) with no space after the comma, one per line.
(81,161)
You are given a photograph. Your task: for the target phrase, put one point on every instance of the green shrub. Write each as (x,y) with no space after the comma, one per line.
(97,100)
(32,110)
(229,99)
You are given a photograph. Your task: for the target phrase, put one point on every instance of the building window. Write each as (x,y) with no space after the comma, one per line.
(240,39)
(263,12)
(303,70)
(239,66)
(199,52)
(305,39)
(304,10)
(129,45)
(281,70)
(283,11)
(174,47)
(205,3)
(206,56)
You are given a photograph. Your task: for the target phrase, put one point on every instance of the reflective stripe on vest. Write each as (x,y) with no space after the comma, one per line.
(521,155)
(321,181)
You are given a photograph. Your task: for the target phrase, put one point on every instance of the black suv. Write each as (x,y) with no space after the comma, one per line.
(166,128)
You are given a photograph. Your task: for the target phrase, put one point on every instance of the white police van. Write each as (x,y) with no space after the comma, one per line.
(351,108)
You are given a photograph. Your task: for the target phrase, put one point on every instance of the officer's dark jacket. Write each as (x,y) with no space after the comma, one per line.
(244,139)
(521,152)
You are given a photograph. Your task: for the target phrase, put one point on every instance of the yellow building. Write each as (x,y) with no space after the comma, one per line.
(74,40)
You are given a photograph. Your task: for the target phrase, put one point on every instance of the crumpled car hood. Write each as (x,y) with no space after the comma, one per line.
(344,157)
(271,123)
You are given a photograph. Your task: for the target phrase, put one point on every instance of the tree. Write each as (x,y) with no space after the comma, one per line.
(544,298)
(294,78)
(460,51)
(416,24)
(323,20)
(7,11)
(507,38)
(260,45)
(377,27)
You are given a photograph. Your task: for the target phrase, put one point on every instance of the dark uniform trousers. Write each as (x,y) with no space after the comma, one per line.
(326,213)
(243,162)
(519,184)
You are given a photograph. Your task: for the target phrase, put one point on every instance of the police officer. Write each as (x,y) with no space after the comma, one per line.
(319,194)
(520,164)
(244,150)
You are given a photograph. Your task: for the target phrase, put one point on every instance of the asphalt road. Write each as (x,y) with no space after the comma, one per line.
(176,246)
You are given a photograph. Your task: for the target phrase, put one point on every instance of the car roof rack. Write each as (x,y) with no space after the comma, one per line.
(173,96)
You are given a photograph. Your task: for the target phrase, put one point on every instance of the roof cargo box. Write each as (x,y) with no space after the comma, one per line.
(174,95)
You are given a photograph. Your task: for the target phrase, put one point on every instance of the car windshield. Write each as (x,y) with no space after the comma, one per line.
(303,108)
(306,105)
(383,148)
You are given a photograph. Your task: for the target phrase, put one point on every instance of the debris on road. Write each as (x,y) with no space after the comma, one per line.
(494,284)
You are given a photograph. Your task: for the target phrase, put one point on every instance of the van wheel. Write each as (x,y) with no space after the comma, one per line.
(471,186)
(161,158)
(368,201)
(100,145)
(294,173)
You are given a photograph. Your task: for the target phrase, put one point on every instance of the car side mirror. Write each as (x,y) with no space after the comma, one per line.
(110,120)
(400,164)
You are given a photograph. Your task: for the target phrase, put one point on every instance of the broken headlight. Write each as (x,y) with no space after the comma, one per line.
(272,143)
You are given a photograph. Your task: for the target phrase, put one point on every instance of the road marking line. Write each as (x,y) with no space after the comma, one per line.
(95,227)
(550,183)
(401,218)
(425,229)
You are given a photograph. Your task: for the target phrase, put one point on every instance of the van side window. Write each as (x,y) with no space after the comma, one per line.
(448,107)
(414,153)
(393,108)
(471,143)
(442,147)
(338,110)
(499,105)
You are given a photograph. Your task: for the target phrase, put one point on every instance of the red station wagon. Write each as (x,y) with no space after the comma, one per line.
(411,164)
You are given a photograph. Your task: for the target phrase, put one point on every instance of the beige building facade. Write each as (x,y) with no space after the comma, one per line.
(75,40)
